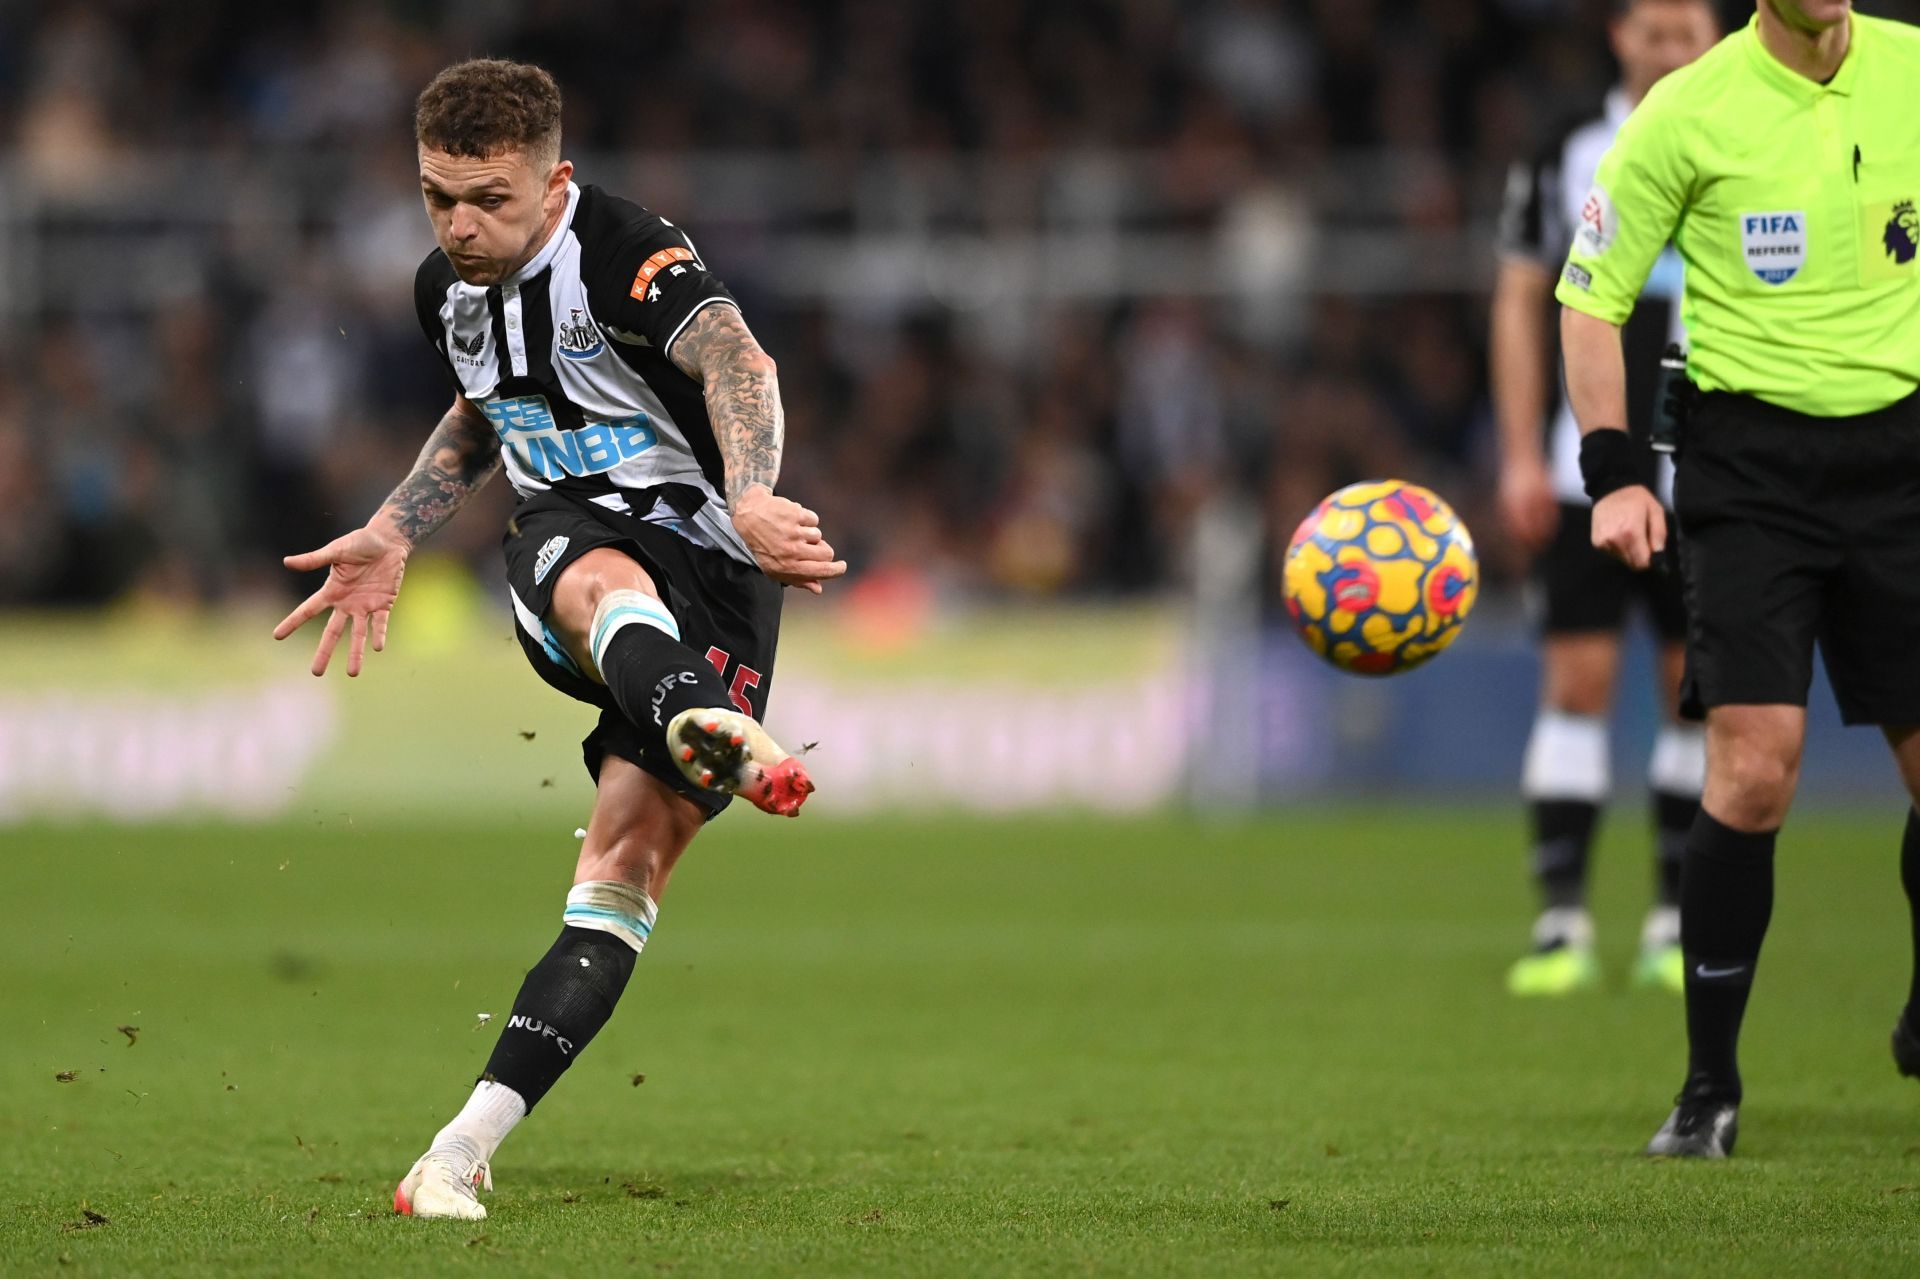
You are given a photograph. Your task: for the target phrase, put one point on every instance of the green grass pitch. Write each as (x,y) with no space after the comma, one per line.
(957,1047)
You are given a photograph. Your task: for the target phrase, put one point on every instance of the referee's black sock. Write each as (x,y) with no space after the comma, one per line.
(1726,899)
(1910,878)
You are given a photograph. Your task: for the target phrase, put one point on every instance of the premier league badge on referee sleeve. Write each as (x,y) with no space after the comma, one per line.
(1775,244)
(1599,223)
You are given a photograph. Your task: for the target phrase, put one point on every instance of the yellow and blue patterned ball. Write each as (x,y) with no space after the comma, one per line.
(1380,577)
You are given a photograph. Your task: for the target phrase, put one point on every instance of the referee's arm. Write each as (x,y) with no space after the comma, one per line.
(1637,200)
(1628,522)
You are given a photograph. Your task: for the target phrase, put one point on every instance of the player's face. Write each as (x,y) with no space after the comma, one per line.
(1810,15)
(1653,38)
(490,214)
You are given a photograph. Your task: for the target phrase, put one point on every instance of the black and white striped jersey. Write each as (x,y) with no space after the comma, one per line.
(568,360)
(1544,199)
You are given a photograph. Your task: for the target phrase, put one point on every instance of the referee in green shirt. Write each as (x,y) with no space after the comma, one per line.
(1785,167)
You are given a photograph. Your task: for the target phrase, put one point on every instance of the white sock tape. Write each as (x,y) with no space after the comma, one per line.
(1567,758)
(1679,763)
(627,608)
(609,906)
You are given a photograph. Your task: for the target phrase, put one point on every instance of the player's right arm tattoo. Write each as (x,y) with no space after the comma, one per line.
(743,395)
(460,457)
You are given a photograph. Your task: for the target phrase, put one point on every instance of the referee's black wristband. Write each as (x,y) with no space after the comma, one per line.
(1607,462)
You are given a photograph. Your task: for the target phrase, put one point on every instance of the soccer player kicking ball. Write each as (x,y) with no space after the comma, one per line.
(639,422)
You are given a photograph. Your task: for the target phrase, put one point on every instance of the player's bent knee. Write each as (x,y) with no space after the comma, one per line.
(1577,689)
(1753,764)
(1579,671)
(1577,699)
(1751,787)
(584,585)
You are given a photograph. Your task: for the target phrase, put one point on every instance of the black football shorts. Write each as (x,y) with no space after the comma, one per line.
(1797,530)
(1585,589)
(728,613)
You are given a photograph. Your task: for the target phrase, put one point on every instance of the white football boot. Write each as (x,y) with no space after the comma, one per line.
(436,1186)
(729,752)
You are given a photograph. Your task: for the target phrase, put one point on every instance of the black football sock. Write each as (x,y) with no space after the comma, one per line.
(1726,899)
(1910,878)
(567,997)
(1563,832)
(1673,817)
(651,674)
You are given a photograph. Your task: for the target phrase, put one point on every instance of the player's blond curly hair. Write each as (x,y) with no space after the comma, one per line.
(485,107)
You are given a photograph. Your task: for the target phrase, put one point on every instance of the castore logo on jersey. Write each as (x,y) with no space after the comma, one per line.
(467,350)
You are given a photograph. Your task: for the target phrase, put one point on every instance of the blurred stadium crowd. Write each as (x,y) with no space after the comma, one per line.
(1048,282)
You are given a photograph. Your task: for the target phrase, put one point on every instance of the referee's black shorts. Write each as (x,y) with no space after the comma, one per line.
(1798,529)
(727,611)
(1579,589)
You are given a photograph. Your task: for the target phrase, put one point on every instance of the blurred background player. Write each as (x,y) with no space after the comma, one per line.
(1584,597)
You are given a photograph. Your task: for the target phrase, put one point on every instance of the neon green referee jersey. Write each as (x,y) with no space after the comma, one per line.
(1792,204)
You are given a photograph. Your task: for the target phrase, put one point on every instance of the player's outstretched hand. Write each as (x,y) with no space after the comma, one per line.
(363,579)
(785,538)
(1630,525)
(1527,503)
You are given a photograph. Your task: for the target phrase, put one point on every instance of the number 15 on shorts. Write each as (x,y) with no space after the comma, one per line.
(744,678)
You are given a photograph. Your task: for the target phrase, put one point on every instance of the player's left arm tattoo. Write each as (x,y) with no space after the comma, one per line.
(460,457)
(743,395)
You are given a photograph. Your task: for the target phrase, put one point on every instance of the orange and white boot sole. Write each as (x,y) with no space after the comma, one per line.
(729,752)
